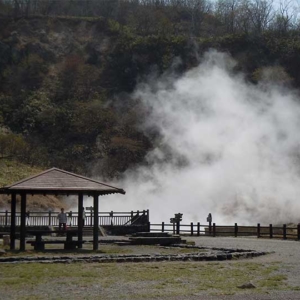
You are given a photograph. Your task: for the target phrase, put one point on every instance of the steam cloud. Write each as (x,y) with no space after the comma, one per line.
(227,147)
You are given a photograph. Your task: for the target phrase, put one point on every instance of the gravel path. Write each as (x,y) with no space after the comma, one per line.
(287,253)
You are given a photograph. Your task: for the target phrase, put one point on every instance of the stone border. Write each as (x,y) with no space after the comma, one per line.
(214,254)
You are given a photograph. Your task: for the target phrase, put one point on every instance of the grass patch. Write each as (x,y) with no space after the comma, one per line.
(12,171)
(141,279)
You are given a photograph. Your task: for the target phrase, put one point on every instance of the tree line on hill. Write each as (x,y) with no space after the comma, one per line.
(193,17)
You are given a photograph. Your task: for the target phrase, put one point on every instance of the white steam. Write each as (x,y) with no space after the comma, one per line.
(227,147)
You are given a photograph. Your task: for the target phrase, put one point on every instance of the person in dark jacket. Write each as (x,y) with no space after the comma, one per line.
(62,220)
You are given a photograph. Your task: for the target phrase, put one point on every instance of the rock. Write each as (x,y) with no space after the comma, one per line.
(2,251)
(248,285)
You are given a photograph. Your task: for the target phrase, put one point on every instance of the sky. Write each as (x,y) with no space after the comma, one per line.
(227,147)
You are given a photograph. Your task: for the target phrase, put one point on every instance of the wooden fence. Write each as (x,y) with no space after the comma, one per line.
(135,217)
(105,218)
(213,230)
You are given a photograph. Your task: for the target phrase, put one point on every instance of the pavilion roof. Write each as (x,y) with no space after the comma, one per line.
(57,181)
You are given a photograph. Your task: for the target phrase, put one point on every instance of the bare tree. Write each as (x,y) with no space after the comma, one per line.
(197,10)
(227,12)
(261,14)
(285,17)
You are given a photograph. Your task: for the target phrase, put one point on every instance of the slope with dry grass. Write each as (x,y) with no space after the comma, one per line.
(12,171)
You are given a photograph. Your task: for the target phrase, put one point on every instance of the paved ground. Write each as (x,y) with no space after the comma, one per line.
(285,252)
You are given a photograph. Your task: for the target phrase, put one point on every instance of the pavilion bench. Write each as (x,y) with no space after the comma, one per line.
(68,245)
(4,233)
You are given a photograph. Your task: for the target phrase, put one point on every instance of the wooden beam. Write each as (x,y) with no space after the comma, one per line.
(96,222)
(80,223)
(13,222)
(23,222)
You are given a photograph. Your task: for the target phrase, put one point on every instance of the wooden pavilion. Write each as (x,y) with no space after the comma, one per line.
(56,182)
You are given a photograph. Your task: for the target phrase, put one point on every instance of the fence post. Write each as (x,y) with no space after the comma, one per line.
(271,231)
(214,229)
(298,231)
(178,228)
(284,231)
(258,230)
(235,230)
(148,215)
(49,217)
(6,217)
(162,226)
(111,215)
(149,225)
(192,229)
(198,229)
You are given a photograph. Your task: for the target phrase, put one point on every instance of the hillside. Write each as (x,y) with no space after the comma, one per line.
(51,91)
(66,79)
(13,171)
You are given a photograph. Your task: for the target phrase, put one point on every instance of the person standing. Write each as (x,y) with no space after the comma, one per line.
(62,220)
(27,214)
(70,218)
(83,217)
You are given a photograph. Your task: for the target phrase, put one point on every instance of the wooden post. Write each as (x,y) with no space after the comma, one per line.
(96,223)
(13,222)
(149,227)
(6,217)
(209,228)
(91,216)
(198,229)
(214,229)
(111,214)
(148,218)
(23,222)
(271,231)
(192,229)
(284,231)
(298,231)
(178,228)
(49,217)
(235,230)
(163,227)
(258,230)
(80,219)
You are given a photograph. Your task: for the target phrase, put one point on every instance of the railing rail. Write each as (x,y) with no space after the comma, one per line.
(50,218)
(197,229)
(134,217)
